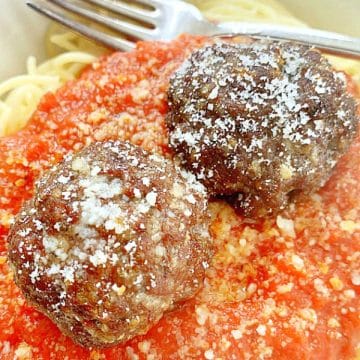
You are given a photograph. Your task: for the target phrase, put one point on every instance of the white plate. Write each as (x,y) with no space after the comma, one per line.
(22,30)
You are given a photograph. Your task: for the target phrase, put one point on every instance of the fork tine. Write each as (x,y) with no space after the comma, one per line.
(107,40)
(153,3)
(122,9)
(118,25)
(161,4)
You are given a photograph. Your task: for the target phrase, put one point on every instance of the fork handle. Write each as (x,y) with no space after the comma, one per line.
(330,42)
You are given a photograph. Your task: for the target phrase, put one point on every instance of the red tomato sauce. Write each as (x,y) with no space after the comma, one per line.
(284,288)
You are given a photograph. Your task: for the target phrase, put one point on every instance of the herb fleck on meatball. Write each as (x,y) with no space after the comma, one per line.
(263,122)
(113,238)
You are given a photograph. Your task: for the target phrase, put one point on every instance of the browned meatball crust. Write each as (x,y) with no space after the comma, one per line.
(113,237)
(264,121)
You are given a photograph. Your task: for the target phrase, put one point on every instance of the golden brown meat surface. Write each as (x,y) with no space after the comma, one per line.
(262,122)
(113,238)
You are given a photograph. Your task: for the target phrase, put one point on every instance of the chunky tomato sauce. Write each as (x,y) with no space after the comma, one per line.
(284,288)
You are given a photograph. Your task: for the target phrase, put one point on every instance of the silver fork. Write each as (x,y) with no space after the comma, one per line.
(165,19)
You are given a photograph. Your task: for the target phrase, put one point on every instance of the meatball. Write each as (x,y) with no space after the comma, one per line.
(263,122)
(113,238)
